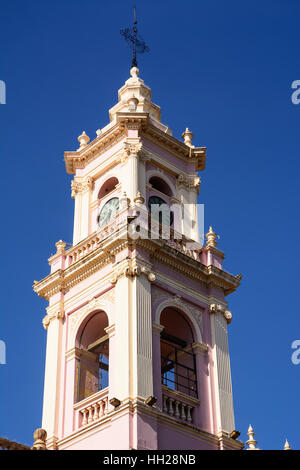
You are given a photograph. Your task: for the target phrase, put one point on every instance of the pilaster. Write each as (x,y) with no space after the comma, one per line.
(54,326)
(81,192)
(224,414)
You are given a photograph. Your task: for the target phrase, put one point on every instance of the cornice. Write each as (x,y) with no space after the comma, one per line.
(63,280)
(140,121)
(80,158)
(170,143)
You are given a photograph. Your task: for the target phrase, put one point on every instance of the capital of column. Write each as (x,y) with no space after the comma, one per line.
(199,348)
(131,269)
(55,312)
(81,186)
(218,308)
(157,328)
(110,330)
(131,149)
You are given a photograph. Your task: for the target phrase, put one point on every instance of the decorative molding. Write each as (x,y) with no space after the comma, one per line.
(104,244)
(218,308)
(199,347)
(131,149)
(131,268)
(157,328)
(164,300)
(104,302)
(55,312)
(81,185)
(190,182)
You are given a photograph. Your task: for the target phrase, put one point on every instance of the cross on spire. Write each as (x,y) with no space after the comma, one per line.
(134,40)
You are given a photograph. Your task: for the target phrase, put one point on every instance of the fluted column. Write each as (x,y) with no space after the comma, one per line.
(224,414)
(54,326)
(122,364)
(141,334)
(81,192)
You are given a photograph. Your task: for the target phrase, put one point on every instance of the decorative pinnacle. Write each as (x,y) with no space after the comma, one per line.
(124,200)
(187,137)
(211,238)
(251,443)
(287,445)
(134,72)
(40,436)
(83,139)
(139,199)
(60,247)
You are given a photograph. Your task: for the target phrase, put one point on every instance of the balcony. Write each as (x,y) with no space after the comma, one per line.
(178,405)
(91,409)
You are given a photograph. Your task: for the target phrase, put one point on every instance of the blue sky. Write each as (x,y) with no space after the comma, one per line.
(225,70)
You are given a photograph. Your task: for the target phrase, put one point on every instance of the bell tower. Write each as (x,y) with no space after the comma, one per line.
(137,350)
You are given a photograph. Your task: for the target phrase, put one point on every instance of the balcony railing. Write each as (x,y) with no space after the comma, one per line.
(91,409)
(179,406)
(174,239)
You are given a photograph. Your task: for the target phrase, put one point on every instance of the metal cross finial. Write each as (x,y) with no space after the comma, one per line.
(134,40)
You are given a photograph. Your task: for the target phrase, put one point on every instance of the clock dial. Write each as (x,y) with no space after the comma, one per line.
(108,211)
(164,217)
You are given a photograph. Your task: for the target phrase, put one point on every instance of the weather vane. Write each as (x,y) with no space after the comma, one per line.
(134,40)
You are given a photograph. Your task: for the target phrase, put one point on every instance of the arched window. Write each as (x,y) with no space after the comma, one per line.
(178,365)
(93,343)
(159,184)
(160,210)
(108,187)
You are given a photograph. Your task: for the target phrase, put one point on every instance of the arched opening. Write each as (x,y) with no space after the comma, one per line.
(93,343)
(108,187)
(160,211)
(178,364)
(159,184)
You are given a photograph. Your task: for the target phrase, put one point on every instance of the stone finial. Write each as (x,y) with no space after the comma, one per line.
(251,443)
(98,132)
(211,238)
(187,137)
(83,139)
(134,72)
(287,445)
(124,200)
(132,103)
(39,436)
(60,247)
(139,199)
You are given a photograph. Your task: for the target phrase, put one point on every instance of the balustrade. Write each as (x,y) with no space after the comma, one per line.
(92,409)
(177,408)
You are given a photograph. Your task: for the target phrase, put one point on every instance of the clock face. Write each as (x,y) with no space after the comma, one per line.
(164,217)
(108,211)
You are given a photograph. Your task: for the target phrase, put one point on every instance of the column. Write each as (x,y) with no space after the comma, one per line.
(141,337)
(54,328)
(224,414)
(81,191)
(122,364)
